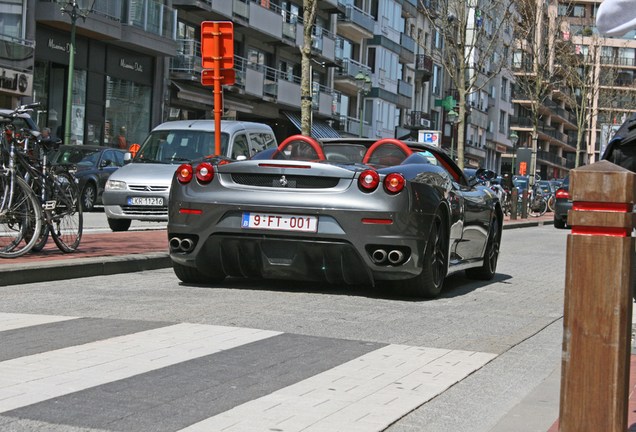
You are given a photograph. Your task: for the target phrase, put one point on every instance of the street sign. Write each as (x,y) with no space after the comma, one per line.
(228,77)
(429,137)
(217,44)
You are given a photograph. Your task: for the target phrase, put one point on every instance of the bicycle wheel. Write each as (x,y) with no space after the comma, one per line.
(43,238)
(20,214)
(551,202)
(537,207)
(65,219)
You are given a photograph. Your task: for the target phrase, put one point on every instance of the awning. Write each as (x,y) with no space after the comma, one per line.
(194,94)
(319,129)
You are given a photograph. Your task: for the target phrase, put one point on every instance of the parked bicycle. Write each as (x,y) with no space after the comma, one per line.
(56,189)
(20,210)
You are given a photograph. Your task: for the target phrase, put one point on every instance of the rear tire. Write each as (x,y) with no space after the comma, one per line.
(429,283)
(66,220)
(193,275)
(118,225)
(491,255)
(559,223)
(43,238)
(20,217)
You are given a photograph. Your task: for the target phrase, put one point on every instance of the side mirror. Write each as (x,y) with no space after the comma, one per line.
(127,157)
(241,157)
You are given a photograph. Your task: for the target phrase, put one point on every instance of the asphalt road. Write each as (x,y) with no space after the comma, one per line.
(505,336)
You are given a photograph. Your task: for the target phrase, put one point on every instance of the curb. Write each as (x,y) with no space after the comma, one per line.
(62,269)
(82,267)
(523,223)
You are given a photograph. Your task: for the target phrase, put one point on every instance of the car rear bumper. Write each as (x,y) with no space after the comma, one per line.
(343,250)
(159,214)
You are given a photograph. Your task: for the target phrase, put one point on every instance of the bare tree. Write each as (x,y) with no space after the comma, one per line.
(309,18)
(535,65)
(600,92)
(580,78)
(475,33)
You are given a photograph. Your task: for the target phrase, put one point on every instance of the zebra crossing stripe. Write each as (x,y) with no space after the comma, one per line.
(365,394)
(35,378)
(12,321)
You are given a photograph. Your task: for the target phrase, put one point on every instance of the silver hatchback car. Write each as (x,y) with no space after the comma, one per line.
(139,190)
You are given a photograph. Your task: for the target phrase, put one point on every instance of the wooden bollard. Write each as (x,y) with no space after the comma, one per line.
(514,202)
(524,204)
(598,300)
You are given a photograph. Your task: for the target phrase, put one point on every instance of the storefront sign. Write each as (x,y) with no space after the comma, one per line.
(132,66)
(15,82)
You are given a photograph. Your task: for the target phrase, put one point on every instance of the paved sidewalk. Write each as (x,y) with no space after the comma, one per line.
(102,253)
(98,254)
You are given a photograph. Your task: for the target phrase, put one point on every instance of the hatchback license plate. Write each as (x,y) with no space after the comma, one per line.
(145,201)
(280,222)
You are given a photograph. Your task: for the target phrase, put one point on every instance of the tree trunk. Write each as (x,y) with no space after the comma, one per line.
(309,17)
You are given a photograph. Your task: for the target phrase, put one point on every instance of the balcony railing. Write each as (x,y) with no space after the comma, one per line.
(350,68)
(151,16)
(619,61)
(109,9)
(357,16)
(424,63)
(407,43)
(188,58)
(417,120)
(20,51)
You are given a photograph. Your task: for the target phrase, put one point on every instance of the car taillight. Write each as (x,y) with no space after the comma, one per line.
(205,172)
(184,173)
(368,180)
(562,194)
(394,183)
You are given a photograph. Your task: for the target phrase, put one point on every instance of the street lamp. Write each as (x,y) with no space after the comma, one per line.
(514,139)
(452,117)
(74,9)
(364,86)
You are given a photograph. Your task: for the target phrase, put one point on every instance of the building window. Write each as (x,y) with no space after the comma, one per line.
(504,89)
(127,106)
(437,80)
(502,121)
(11,16)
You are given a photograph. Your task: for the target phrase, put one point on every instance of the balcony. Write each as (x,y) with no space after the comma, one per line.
(618,61)
(344,79)
(407,48)
(19,53)
(142,25)
(409,8)
(417,120)
(355,24)
(423,67)
(186,65)
(551,158)
(208,10)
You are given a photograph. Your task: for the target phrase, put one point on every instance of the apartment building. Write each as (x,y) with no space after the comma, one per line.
(610,65)
(138,63)
(543,117)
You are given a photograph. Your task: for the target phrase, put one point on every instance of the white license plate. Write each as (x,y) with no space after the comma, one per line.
(280,222)
(145,201)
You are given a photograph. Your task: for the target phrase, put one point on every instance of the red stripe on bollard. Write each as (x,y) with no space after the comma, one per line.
(601,231)
(602,206)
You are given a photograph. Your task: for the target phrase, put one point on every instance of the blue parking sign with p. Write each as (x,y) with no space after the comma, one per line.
(429,137)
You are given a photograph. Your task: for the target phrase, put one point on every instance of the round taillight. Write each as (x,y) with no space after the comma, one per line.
(368,180)
(394,183)
(562,194)
(184,173)
(205,172)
